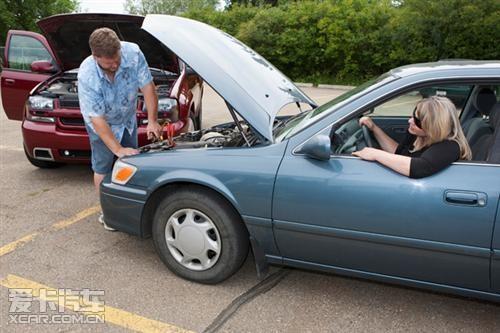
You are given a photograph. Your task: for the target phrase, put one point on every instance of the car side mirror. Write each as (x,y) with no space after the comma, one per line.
(319,148)
(42,66)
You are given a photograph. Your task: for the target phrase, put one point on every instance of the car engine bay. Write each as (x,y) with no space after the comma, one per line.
(224,135)
(65,88)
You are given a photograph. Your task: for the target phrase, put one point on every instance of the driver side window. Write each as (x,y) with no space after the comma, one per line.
(400,106)
(392,117)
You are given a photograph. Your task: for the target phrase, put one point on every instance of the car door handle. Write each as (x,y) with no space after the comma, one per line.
(466,198)
(10,82)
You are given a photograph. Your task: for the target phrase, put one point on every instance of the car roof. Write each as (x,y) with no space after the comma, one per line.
(451,66)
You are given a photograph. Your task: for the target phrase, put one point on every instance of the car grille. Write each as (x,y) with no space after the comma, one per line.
(72,121)
(69,102)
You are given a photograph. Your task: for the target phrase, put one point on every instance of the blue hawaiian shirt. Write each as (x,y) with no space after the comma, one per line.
(115,101)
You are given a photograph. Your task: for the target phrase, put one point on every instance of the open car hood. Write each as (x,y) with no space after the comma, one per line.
(247,81)
(68,36)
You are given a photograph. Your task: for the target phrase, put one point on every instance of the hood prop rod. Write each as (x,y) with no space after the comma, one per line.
(236,121)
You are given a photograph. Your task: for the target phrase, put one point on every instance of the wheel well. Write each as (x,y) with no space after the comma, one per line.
(160,193)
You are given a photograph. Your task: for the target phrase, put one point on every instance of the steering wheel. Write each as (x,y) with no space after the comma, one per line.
(366,136)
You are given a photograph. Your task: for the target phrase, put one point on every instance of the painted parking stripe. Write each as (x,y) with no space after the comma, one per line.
(56,226)
(76,218)
(16,244)
(111,315)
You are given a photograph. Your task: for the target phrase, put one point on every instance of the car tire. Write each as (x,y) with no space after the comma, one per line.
(42,164)
(199,236)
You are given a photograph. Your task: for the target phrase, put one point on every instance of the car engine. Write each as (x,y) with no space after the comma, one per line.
(224,135)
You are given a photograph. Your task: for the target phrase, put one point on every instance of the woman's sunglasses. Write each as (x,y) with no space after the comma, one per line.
(417,121)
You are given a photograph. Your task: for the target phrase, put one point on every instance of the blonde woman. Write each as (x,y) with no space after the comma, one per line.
(434,140)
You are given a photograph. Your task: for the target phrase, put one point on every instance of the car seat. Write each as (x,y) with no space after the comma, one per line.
(478,126)
(483,148)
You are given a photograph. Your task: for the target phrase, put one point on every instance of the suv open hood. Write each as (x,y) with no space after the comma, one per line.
(247,81)
(68,36)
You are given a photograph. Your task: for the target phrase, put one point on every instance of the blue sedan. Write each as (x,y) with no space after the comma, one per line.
(288,188)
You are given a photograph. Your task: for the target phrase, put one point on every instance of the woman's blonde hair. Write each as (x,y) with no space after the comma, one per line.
(439,119)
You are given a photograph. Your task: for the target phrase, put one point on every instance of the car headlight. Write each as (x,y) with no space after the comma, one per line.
(167,109)
(122,172)
(164,105)
(40,103)
(167,104)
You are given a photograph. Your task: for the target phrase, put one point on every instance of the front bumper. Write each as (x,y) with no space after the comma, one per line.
(68,145)
(122,206)
(46,137)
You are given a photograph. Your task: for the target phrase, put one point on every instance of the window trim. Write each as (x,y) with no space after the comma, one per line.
(26,34)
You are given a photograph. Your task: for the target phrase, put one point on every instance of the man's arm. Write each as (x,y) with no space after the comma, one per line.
(104,132)
(151,99)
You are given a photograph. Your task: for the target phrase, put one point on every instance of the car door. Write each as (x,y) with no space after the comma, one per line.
(495,260)
(18,78)
(359,217)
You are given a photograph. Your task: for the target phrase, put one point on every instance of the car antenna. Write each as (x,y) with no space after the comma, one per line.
(236,121)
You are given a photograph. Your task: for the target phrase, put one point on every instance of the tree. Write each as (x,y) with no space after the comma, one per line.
(427,30)
(172,7)
(253,2)
(22,15)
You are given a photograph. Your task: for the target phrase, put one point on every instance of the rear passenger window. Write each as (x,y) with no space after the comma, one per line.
(23,50)
(403,105)
(458,94)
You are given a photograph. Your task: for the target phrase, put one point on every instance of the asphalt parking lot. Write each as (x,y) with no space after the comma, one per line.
(51,242)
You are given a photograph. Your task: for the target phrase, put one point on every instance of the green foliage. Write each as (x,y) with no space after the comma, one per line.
(228,21)
(349,41)
(22,15)
(171,7)
(426,30)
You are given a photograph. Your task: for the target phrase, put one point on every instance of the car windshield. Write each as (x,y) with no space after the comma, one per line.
(302,120)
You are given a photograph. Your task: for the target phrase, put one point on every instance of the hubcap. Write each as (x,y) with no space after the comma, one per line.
(193,239)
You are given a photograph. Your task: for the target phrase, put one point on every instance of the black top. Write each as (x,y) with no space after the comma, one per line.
(431,159)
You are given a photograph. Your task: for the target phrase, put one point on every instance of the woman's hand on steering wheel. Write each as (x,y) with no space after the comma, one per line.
(366,121)
(366,136)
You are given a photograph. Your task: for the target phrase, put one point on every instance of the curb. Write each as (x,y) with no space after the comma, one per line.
(335,86)
(303,85)
(323,86)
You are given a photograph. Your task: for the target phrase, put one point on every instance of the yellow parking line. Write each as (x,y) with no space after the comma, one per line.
(111,315)
(15,244)
(57,226)
(78,217)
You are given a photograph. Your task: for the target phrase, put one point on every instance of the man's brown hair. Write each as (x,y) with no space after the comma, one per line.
(104,42)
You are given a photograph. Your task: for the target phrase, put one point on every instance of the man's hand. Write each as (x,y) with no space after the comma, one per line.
(151,99)
(124,151)
(154,130)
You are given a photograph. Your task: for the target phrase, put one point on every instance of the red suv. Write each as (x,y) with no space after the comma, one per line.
(39,85)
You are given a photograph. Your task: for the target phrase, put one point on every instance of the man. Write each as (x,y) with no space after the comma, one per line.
(108,81)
